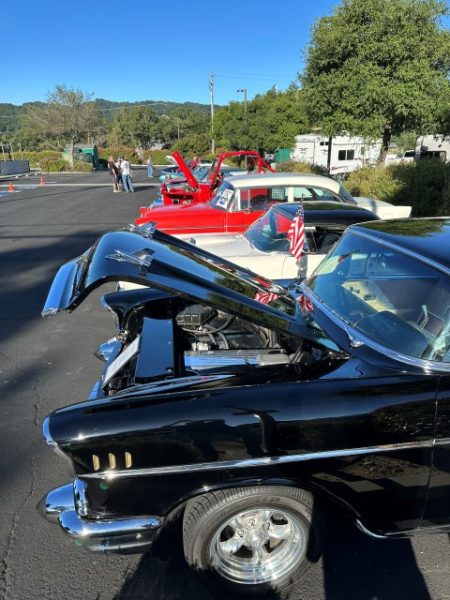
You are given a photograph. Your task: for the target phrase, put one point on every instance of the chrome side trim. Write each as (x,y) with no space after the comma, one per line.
(371,534)
(442,441)
(170,385)
(356,338)
(263,461)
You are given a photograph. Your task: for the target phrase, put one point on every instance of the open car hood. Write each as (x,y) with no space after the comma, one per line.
(157,260)
(185,170)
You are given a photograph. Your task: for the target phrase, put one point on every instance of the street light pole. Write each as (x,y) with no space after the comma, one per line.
(244,91)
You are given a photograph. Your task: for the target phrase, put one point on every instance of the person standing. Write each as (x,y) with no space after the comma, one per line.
(118,163)
(149,166)
(127,182)
(114,172)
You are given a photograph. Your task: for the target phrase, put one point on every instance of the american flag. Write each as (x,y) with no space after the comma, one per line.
(305,303)
(296,233)
(265,297)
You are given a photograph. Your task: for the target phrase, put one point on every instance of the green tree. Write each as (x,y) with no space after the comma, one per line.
(137,126)
(271,121)
(183,123)
(379,67)
(68,117)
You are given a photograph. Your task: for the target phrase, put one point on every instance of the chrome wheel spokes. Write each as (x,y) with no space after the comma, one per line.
(258,546)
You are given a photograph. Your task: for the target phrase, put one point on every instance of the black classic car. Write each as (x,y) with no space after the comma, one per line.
(246,409)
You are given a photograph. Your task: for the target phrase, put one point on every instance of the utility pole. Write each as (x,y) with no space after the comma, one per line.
(244,91)
(211,91)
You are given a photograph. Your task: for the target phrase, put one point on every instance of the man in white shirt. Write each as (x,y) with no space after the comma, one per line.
(127,182)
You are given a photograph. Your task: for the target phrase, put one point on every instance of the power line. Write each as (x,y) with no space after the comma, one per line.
(256,76)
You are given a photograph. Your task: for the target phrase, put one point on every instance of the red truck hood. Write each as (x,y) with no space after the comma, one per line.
(185,170)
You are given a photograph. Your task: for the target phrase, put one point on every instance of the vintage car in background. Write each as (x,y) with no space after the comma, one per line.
(192,189)
(173,172)
(201,173)
(242,199)
(168,171)
(264,247)
(246,411)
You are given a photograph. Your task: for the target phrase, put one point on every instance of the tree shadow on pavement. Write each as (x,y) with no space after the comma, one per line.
(355,566)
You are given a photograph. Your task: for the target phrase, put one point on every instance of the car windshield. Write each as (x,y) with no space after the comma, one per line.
(223,199)
(269,233)
(392,299)
(345,195)
(201,172)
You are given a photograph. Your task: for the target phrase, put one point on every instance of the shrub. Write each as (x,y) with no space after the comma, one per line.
(424,185)
(122,151)
(54,165)
(34,157)
(158,156)
(300,167)
(374,182)
(81,166)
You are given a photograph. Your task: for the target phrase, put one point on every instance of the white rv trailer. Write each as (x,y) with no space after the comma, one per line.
(347,153)
(433,146)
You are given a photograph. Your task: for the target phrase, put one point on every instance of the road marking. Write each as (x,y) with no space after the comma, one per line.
(4,194)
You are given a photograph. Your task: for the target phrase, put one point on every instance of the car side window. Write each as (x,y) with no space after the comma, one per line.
(303,193)
(255,199)
(328,195)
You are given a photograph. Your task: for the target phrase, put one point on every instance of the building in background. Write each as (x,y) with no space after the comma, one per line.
(433,146)
(346,153)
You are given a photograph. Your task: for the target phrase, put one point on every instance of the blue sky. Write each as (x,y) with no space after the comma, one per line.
(148,49)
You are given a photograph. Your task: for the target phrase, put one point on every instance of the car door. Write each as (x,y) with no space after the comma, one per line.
(234,221)
(437,510)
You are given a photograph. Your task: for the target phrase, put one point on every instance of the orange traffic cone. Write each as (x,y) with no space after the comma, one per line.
(10,187)
(42,182)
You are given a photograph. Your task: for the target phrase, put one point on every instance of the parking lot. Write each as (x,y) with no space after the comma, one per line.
(47,364)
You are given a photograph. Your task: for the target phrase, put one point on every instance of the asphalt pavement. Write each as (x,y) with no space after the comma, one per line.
(47,364)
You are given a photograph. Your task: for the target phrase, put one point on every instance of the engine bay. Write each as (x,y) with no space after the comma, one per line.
(176,338)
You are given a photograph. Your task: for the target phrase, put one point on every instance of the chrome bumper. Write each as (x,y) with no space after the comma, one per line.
(114,535)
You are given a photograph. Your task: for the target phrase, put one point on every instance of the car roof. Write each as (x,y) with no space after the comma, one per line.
(289,209)
(430,238)
(293,179)
(319,212)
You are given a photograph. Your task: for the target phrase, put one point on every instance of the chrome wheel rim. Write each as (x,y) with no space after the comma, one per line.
(259,545)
